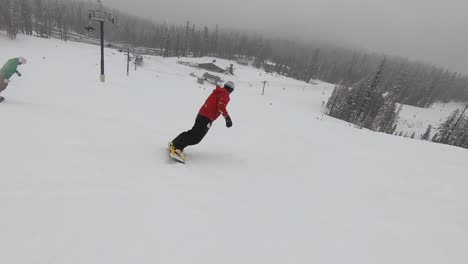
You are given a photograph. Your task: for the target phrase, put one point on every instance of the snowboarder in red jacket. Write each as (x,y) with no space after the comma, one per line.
(214,106)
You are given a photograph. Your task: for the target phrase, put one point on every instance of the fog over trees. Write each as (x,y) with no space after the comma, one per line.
(417,83)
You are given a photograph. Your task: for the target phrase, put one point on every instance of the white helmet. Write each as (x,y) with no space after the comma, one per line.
(229,86)
(22,60)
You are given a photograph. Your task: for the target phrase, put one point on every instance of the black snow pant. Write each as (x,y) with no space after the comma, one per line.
(194,135)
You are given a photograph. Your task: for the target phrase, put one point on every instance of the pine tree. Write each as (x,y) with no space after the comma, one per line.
(48,17)
(313,65)
(398,86)
(186,39)
(463,140)
(445,128)
(13,15)
(216,42)
(427,134)
(387,119)
(337,105)
(369,105)
(460,133)
(26,17)
(205,42)
(38,15)
(177,46)
(4,14)
(167,45)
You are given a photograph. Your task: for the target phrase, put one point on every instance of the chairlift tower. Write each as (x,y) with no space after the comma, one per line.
(263,90)
(101,16)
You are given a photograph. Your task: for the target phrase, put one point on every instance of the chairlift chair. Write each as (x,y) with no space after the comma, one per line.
(90,27)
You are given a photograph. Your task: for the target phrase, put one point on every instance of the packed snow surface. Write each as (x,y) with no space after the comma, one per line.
(85,176)
(417,119)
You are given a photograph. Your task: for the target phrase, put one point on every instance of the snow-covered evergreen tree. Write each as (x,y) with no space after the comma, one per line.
(370,100)
(364,104)
(12,13)
(427,134)
(445,129)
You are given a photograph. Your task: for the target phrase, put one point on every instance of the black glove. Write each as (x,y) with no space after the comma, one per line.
(228,121)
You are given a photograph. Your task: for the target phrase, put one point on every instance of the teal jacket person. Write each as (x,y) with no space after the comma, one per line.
(10,68)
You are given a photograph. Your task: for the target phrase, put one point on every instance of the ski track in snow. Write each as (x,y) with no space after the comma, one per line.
(85,175)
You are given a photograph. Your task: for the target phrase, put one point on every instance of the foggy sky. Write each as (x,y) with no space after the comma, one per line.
(433,31)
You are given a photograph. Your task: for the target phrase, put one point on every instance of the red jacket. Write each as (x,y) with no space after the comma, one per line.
(216,104)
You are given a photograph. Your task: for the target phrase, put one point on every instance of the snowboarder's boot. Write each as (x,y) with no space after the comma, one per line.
(176,154)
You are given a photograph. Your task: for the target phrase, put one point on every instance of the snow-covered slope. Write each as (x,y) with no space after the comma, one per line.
(416,119)
(85,176)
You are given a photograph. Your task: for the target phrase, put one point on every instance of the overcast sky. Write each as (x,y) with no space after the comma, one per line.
(433,31)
